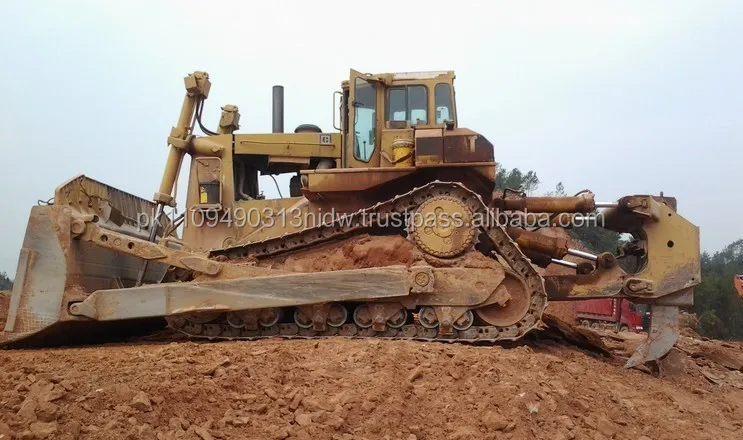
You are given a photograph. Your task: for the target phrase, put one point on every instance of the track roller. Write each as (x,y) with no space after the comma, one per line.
(320,316)
(337,315)
(380,316)
(465,321)
(427,317)
(302,319)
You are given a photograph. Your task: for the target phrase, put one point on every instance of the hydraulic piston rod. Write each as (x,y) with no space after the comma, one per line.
(581,254)
(564,263)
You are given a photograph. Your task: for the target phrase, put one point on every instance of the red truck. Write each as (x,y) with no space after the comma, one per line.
(598,313)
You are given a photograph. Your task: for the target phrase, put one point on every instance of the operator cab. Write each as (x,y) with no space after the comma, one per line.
(379,109)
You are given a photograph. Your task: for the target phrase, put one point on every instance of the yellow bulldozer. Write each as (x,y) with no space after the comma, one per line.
(392,228)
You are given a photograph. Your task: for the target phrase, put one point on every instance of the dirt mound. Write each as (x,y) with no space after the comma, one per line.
(4,305)
(694,359)
(564,310)
(370,251)
(356,253)
(363,389)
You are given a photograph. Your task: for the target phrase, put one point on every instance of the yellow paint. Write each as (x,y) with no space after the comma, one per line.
(402,153)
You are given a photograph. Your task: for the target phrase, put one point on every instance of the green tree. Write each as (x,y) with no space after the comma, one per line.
(515,179)
(5,282)
(718,306)
(559,191)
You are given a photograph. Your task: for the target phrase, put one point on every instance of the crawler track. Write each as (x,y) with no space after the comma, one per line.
(504,250)
(221,330)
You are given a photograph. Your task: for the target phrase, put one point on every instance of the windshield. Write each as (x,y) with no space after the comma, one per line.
(408,103)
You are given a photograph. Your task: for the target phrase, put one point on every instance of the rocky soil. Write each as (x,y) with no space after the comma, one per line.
(559,383)
(370,389)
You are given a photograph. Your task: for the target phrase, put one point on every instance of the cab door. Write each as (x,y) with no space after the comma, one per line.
(364,112)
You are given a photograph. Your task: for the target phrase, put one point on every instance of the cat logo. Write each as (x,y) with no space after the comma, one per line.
(325,139)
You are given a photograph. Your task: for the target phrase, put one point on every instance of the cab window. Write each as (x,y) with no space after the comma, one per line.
(442,95)
(365,119)
(408,103)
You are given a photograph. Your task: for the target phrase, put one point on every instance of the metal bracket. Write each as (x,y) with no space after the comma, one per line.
(639,287)
(421,278)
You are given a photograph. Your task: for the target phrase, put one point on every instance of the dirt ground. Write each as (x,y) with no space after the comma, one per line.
(370,389)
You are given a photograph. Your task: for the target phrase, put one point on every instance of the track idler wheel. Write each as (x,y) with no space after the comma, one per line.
(514,305)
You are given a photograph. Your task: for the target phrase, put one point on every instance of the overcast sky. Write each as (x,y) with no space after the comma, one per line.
(619,97)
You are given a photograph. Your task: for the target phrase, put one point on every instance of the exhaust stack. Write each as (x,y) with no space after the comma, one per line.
(278,109)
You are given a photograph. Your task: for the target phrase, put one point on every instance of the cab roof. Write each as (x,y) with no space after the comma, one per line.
(407,76)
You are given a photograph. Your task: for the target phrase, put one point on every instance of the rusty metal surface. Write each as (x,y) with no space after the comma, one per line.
(583,203)
(511,302)
(89,196)
(340,180)
(447,316)
(601,282)
(462,145)
(429,147)
(459,286)
(146,250)
(316,314)
(556,247)
(378,314)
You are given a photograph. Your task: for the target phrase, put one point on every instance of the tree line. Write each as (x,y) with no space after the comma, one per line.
(718,307)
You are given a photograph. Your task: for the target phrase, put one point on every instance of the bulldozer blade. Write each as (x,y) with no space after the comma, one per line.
(55,270)
(662,335)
